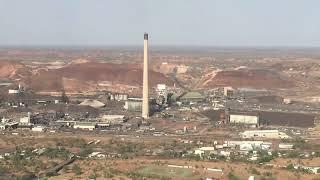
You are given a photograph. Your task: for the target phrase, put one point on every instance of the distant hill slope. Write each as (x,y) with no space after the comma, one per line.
(254,78)
(85,76)
(13,69)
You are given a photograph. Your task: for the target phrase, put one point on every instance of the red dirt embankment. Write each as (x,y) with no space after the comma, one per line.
(13,69)
(253,78)
(84,75)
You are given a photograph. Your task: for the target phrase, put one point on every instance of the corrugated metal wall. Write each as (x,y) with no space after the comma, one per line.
(244,119)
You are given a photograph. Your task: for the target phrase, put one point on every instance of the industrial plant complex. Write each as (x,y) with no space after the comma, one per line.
(157,113)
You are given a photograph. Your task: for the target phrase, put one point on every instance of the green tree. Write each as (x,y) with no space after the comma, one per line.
(84,152)
(92,176)
(76,169)
(290,167)
(254,171)
(293,154)
(232,176)
(3,169)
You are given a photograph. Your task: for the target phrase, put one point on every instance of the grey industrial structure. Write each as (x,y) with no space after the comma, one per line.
(244,118)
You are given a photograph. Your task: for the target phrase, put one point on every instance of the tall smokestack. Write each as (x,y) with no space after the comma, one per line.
(145,103)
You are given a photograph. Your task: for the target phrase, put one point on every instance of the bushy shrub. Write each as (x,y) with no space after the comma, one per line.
(76,169)
(232,176)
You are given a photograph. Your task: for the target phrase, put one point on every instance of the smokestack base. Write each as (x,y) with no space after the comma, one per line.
(146,36)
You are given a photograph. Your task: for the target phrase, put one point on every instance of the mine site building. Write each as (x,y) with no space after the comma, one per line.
(8,125)
(287,119)
(25,120)
(249,118)
(204,150)
(228,91)
(272,134)
(285,146)
(84,125)
(114,119)
(92,103)
(191,97)
(38,129)
(118,97)
(133,104)
(13,91)
(248,145)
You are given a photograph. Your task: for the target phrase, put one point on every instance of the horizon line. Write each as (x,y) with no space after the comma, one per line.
(158,45)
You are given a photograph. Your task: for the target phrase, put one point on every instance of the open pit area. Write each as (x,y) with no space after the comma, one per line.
(215,113)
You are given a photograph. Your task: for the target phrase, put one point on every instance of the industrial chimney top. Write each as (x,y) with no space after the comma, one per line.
(146,36)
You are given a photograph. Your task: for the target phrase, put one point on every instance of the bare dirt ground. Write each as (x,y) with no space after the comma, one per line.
(241,170)
(123,168)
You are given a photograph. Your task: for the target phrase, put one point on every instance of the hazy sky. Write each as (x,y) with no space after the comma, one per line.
(169,22)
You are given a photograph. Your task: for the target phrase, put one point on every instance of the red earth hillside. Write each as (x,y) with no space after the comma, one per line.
(84,74)
(13,69)
(253,78)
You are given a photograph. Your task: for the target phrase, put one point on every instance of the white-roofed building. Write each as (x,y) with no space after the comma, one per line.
(92,103)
